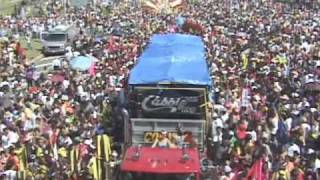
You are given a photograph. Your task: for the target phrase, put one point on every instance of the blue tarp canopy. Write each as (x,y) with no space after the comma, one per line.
(172,59)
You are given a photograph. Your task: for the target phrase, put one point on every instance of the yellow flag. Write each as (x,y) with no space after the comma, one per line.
(63,152)
(23,158)
(282,60)
(104,153)
(74,159)
(93,168)
(245,61)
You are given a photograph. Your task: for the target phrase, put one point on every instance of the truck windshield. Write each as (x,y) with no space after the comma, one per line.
(149,176)
(55,37)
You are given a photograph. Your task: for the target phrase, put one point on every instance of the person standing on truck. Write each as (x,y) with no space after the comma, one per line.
(163,141)
(179,138)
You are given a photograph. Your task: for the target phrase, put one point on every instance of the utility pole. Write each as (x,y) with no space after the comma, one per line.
(64,2)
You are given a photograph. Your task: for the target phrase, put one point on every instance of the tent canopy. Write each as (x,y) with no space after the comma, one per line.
(172,59)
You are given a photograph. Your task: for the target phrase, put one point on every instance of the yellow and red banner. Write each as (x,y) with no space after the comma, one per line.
(159,6)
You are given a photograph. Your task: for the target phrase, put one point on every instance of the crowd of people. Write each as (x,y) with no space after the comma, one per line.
(265,63)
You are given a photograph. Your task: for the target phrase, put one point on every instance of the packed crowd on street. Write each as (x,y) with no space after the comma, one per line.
(265,64)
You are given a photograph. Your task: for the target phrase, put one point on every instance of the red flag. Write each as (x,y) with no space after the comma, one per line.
(256,172)
(236,175)
(112,44)
(92,70)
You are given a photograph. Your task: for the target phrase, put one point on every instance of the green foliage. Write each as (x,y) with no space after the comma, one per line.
(7,7)
(36,48)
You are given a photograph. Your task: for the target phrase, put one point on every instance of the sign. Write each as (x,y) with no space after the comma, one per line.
(169,103)
(150,137)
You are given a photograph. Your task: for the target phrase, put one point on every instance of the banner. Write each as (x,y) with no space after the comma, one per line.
(159,6)
(168,103)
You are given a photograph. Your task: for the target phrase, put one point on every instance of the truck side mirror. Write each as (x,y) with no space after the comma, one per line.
(44,36)
(121,99)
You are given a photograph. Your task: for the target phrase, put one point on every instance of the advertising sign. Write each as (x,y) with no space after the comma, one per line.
(169,103)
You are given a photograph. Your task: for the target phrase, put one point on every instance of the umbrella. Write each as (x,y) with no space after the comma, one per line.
(82,63)
(118,31)
(5,101)
(180,21)
(313,86)
(98,39)
(34,90)
(3,33)
(191,25)
(57,78)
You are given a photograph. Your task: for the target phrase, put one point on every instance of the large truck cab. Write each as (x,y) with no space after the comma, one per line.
(56,40)
(166,122)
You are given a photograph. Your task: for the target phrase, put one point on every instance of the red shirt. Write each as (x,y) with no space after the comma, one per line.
(15,160)
(84,150)
(3,161)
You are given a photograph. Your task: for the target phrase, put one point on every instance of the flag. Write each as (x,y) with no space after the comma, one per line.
(74,159)
(176,3)
(282,60)
(92,70)
(104,153)
(112,44)
(245,97)
(256,172)
(23,162)
(245,61)
(22,175)
(53,143)
(93,168)
(23,158)
(236,175)
(163,5)
(150,5)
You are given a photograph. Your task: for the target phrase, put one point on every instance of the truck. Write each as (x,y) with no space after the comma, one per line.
(168,93)
(55,41)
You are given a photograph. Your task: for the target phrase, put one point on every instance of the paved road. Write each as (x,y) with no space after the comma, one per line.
(45,62)
(79,3)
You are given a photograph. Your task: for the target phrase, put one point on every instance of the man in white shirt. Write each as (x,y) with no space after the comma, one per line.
(13,137)
(5,138)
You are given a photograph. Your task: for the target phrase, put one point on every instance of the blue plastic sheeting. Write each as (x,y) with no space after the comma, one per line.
(173,59)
